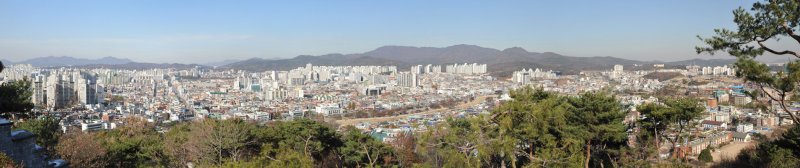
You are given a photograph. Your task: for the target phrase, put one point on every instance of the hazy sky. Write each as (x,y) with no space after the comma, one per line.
(209,31)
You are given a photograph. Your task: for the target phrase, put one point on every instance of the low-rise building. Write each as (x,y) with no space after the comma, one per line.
(712,125)
(741,137)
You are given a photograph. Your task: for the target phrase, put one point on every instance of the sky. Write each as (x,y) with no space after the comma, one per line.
(209,31)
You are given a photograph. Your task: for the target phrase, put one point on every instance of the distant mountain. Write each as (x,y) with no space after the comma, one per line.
(52,61)
(221,63)
(140,66)
(258,64)
(500,62)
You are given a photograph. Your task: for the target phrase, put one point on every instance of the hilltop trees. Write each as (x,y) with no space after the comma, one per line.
(81,150)
(599,118)
(535,129)
(362,150)
(15,99)
(537,122)
(673,117)
(311,139)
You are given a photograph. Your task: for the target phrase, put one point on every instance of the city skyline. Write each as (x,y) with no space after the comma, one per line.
(204,32)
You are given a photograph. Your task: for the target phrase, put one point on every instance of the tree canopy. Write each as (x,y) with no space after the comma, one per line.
(15,99)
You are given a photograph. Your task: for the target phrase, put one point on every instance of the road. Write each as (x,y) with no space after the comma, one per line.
(346,122)
(730,150)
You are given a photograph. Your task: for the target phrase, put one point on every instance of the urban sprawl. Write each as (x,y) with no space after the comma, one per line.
(382,101)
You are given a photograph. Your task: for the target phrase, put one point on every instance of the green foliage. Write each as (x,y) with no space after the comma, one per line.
(538,123)
(15,99)
(598,117)
(46,129)
(362,150)
(175,144)
(134,144)
(286,158)
(669,117)
(705,156)
(306,136)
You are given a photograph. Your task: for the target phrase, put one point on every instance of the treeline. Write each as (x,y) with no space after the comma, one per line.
(225,143)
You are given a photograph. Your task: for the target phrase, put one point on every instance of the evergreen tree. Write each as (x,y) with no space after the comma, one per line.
(705,156)
(362,150)
(599,119)
(15,99)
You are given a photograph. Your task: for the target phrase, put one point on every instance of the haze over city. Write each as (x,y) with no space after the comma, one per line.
(214,31)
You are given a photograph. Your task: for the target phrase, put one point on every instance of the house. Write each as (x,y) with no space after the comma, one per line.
(741,137)
(744,127)
(711,125)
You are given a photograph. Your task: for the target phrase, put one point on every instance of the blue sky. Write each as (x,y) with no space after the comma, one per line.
(208,31)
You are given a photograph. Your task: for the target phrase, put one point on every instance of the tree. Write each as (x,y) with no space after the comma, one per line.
(285,158)
(705,156)
(225,140)
(769,21)
(682,113)
(81,150)
(46,129)
(599,118)
(670,117)
(536,126)
(175,146)
(362,150)
(405,144)
(15,99)
(311,138)
(135,143)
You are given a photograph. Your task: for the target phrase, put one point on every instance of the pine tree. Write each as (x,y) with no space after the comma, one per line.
(705,156)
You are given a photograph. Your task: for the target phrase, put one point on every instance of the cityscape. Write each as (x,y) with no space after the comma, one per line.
(461,105)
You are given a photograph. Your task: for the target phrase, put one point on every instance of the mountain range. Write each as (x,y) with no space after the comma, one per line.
(500,62)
